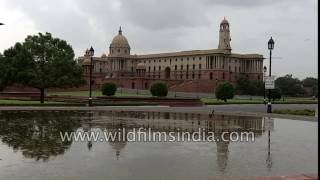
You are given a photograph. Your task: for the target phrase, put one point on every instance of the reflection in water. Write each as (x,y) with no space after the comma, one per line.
(37,135)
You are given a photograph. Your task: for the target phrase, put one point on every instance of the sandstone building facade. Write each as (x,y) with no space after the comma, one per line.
(185,71)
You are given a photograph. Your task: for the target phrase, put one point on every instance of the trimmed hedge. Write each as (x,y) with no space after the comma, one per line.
(109,89)
(159,89)
(225,91)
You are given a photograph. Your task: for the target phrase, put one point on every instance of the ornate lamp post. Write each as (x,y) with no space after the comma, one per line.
(91,51)
(264,85)
(270,47)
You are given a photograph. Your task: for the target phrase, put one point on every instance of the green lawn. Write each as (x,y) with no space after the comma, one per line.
(213,101)
(8,102)
(303,112)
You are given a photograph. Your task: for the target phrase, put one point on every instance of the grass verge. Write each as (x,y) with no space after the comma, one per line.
(303,112)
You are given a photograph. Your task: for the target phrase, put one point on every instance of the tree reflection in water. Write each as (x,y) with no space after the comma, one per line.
(37,134)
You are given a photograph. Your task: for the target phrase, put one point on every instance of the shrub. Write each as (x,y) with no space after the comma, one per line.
(225,91)
(159,89)
(109,89)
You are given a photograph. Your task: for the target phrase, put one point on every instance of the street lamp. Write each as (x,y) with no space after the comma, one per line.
(264,84)
(91,53)
(270,47)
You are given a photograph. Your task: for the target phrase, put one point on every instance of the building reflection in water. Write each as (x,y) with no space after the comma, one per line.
(182,122)
(19,130)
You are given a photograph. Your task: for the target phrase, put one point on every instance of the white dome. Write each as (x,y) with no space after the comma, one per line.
(120,41)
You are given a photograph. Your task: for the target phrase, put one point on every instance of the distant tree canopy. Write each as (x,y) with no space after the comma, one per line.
(289,86)
(42,62)
(312,83)
(246,87)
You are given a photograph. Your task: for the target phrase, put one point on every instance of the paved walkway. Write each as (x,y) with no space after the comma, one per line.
(291,177)
(242,110)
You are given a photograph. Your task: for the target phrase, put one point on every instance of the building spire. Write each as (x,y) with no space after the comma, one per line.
(120,31)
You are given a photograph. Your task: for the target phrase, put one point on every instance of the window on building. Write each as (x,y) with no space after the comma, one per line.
(211,76)
(149,68)
(118,50)
(181,67)
(223,76)
(187,76)
(154,68)
(199,58)
(199,66)
(181,76)
(175,67)
(192,76)
(159,68)
(199,76)
(193,66)
(187,66)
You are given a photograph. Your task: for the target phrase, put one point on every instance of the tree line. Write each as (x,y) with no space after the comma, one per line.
(287,85)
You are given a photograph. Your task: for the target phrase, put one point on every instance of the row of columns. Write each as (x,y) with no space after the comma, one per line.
(118,64)
(215,62)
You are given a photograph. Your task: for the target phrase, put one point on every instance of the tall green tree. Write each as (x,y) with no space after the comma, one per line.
(42,62)
(289,86)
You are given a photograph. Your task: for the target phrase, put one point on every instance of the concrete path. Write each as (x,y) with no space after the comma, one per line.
(241,110)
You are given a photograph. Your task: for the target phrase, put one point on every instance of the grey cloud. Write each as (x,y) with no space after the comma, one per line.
(171,25)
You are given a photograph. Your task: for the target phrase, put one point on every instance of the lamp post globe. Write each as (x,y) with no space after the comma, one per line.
(270,44)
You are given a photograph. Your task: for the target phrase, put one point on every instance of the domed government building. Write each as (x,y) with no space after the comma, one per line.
(184,71)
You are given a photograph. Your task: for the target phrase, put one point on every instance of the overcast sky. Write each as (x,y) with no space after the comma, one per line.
(153,26)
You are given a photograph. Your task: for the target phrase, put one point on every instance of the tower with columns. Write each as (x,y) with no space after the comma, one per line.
(224,36)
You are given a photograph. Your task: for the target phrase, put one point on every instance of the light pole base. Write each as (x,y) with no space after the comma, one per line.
(269,108)
(90,101)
